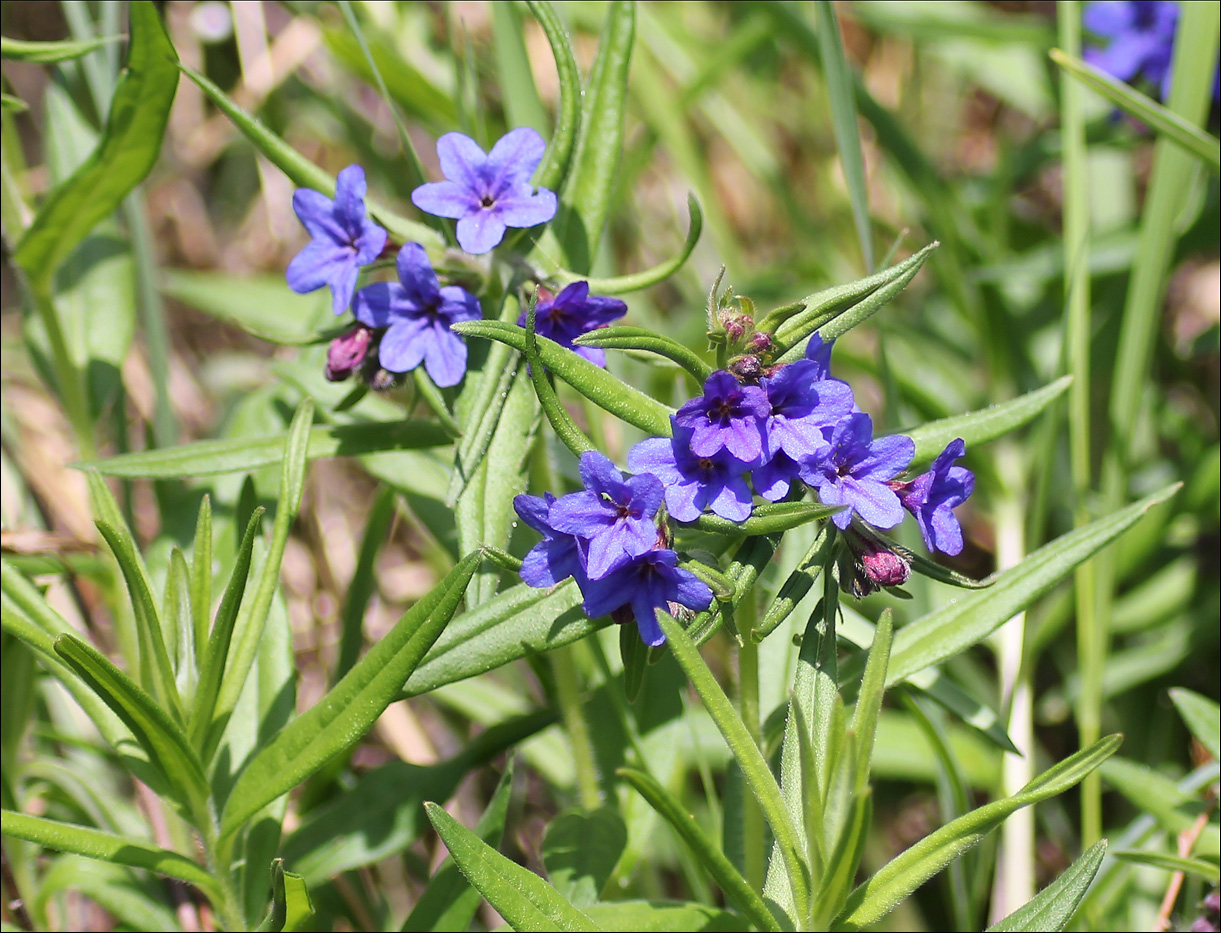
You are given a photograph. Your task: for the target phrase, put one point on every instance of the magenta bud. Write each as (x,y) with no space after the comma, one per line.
(347,352)
(759,342)
(747,368)
(884,567)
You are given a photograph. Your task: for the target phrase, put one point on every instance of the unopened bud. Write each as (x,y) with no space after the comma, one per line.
(884,567)
(759,342)
(347,352)
(747,368)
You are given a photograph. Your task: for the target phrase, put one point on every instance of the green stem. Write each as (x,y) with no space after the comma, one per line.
(568,695)
(748,709)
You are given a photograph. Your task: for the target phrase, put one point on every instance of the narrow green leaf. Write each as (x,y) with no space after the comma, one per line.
(635,657)
(1053,907)
(986,424)
(523,107)
(302,172)
(795,588)
(522,898)
(11,104)
(291,907)
(754,767)
(1158,796)
(869,701)
(204,458)
(595,383)
(903,874)
(1148,111)
(663,917)
(364,581)
(636,281)
(555,161)
(1203,718)
(180,623)
(843,121)
(349,709)
(719,868)
(449,903)
(201,578)
(157,733)
(588,188)
(749,561)
(93,843)
(1199,868)
(580,851)
(125,154)
(561,422)
(949,630)
(641,338)
(211,670)
(46,53)
(767,519)
(843,862)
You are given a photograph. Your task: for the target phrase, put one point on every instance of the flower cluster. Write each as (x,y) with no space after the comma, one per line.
(606,538)
(401,325)
(789,427)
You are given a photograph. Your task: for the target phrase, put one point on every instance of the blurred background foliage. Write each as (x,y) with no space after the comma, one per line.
(961,138)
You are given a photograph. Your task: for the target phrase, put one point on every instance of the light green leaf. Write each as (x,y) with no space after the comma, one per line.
(523,107)
(1208,871)
(901,876)
(350,708)
(201,579)
(986,424)
(561,422)
(291,907)
(1053,907)
(555,162)
(1157,795)
(663,917)
(580,851)
(795,588)
(869,700)
(259,305)
(623,337)
(1148,111)
(126,153)
(46,53)
(722,871)
(595,383)
(1203,718)
(522,898)
(203,458)
(770,518)
(11,104)
(949,630)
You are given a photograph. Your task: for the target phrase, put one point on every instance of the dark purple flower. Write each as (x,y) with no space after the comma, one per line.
(932,497)
(573,312)
(344,239)
(556,557)
(820,354)
(612,518)
(648,582)
(727,416)
(801,405)
(347,352)
(774,478)
(854,471)
(486,193)
(418,313)
(1141,39)
(694,483)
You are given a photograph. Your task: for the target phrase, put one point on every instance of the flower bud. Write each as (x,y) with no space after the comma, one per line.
(347,352)
(884,567)
(759,342)
(747,368)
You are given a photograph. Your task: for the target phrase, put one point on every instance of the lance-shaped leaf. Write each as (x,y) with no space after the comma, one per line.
(624,337)
(555,161)
(752,556)
(1203,718)
(795,588)
(901,876)
(201,578)
(1173,863)
(561,422)
(522,897)
(304,173)
(664,916)
(125,154)
(580,851)
(93,843)
(986,424)
(768,519)
(953,628)
(349,710)
(594,382)
(721,870)
(159,736)
(635,281)
(291,907)
(46,53)
(204,458)
(1053,907)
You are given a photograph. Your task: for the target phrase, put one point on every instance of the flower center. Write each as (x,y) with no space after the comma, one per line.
(487,201)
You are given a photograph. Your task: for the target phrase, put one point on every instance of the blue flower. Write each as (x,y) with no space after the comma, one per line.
(418,313)
(694,483)
(932,497)
(854,471)
(612,518)
(344,239)
(727,416)
(573,312)
(648,582)
(774,478)
(557,556)
(820,354)
(1141,34)
(801,405)
(486,193)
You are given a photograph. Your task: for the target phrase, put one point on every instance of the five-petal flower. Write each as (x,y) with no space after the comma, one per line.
(573,312)
(854,470)
(487,192)
(932,496)
(648,582)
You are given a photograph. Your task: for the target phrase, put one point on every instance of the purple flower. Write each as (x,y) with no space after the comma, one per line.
(573,312)
(556,557)
(612,518)
(648,582)
(820,354)
(1141,34)
(801,405)
(486,193)
(854,471)
(694,483)
(344,239)
(932,497)
(418,313)
(774,478)
(727,416)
